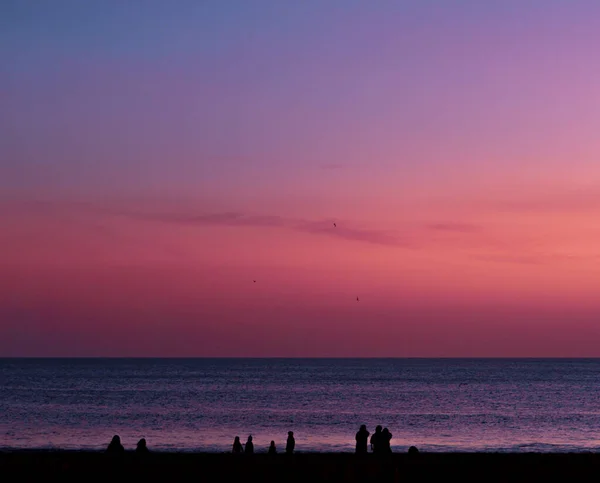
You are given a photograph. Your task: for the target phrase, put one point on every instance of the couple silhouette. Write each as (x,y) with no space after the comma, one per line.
(380,440)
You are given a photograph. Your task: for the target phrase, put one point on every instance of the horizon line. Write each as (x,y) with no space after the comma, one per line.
(304,357)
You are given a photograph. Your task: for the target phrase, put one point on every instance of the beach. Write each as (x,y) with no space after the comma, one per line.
(35,465)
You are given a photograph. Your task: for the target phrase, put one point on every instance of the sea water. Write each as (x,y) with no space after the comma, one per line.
(502,405)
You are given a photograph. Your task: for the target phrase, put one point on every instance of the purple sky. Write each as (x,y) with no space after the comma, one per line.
(156,156)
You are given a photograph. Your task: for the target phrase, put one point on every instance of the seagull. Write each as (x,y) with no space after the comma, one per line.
(334,225)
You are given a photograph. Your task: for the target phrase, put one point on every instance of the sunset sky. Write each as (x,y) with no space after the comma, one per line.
(158,157)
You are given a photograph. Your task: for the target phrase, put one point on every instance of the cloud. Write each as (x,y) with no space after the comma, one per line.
(518,259)
(186,216)
(470,239)
(455,226)
(227,219)
(342,229)
(585,199)
(537,258)
(448,237)
(332,166)
(322,227)
(376,237)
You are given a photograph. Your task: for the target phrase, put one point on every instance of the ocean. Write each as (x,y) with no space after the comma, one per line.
(490,405)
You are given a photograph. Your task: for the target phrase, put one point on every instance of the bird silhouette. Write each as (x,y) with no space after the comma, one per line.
(334,225)
(357,299)
(254,281)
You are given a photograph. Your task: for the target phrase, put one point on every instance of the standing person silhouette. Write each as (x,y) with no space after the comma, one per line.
(376,440)
(386,438)
(362,436)
(291,443)
(237,446)
(272,448)
(249,446)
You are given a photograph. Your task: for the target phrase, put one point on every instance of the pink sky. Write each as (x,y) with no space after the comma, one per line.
(148,175)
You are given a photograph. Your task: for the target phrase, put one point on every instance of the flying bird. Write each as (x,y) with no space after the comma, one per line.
(357,299)
(334,225)
(254,281)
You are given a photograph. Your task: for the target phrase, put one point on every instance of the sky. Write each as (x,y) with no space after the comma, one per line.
(171,172)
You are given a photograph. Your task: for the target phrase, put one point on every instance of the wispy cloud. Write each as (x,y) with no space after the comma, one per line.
(333,166)
(581,200)
(343,230)
(455,226)
(226,218)
(537,258)
(350,233)
(471,240)
(517,259)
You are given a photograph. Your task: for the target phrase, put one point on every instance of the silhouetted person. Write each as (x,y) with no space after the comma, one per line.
(375,440)
(272,448)
(141,447)
(237,446)
(291,443)
(386,438)
(412,472)
(115,446)
(249,446)
(362,436)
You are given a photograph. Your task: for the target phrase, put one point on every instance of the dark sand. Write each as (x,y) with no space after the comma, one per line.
(302,467)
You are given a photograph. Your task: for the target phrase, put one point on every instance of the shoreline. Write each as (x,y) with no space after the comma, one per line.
(263,451)
(182,452)
(29,465)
